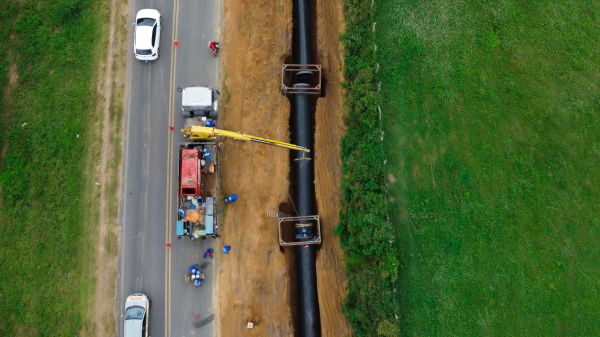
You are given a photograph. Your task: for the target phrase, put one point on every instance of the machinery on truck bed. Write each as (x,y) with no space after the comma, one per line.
(196,202)
(196,132)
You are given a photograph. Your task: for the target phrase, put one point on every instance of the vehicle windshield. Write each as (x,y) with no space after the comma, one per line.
(143,51)
(134,313)
(146,22)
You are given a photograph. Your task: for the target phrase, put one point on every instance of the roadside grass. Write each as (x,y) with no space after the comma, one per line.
(366,234)
(491,111)
(8,14)
(43,250)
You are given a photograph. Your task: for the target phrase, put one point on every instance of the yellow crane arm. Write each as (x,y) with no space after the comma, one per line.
(196,133)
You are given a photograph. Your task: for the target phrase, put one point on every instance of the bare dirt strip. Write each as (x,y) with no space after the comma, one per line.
(254,279)
(105,159)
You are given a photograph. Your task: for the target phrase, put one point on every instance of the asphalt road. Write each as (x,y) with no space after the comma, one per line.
(149,185)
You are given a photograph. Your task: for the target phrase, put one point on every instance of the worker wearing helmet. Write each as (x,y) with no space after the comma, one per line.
(231,198)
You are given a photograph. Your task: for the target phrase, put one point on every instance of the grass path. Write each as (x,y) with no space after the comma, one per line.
(491,112)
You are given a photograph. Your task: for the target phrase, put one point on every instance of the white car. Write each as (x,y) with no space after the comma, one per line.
(137,313)
(146,35)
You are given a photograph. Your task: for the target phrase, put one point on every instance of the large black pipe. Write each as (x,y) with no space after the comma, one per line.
(302,39)
(301,121)
(303,172)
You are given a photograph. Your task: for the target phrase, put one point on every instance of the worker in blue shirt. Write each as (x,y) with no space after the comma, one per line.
(305,231)
(231,198)
(208,253)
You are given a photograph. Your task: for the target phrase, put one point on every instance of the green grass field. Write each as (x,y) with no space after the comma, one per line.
(42,247)
(491,111)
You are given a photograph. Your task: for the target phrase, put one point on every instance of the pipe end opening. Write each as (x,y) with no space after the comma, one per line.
(305,74)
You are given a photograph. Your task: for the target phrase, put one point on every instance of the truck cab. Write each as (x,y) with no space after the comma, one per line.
(199,102)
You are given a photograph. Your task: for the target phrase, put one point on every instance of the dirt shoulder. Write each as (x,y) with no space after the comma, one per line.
(104,169)
(254,280)
(329,129)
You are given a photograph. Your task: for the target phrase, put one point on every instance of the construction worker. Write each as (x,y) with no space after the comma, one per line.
(208,253)
(206,154)
(214,46)
(210,124)
(198,282)
(193,269)
(231,198)
(226,249)
(305,231)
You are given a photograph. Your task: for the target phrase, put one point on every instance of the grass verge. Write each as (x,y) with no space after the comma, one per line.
(47,119)
(491,115)
(367,237)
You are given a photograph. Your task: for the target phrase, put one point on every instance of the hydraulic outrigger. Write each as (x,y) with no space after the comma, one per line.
(198,133)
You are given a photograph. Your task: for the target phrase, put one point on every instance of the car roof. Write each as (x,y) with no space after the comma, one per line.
(143,39)
(133,328)
(148,13)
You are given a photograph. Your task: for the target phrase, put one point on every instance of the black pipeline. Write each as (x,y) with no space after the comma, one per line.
(301,122)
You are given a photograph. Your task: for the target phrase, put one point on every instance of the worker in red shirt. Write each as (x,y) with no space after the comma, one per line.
(214,46)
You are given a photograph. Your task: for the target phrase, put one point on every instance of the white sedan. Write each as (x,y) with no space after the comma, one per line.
(146,35)
(137,313)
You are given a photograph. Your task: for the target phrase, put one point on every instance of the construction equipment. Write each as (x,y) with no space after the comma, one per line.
(198,133)
(198,188)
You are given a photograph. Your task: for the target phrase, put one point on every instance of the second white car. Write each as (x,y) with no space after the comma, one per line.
(137,313)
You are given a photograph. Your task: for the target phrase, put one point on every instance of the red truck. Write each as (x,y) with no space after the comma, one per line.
(196,202)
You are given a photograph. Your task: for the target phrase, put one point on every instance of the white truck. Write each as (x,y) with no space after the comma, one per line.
(200,102)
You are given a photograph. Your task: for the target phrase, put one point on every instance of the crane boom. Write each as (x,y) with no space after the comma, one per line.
(196,133)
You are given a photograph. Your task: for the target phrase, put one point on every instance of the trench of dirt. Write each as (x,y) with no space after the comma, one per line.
(301,260)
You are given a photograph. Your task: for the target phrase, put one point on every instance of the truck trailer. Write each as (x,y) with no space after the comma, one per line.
(197,193)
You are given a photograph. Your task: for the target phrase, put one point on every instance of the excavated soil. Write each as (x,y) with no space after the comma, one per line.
(254,280)
(331,280)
